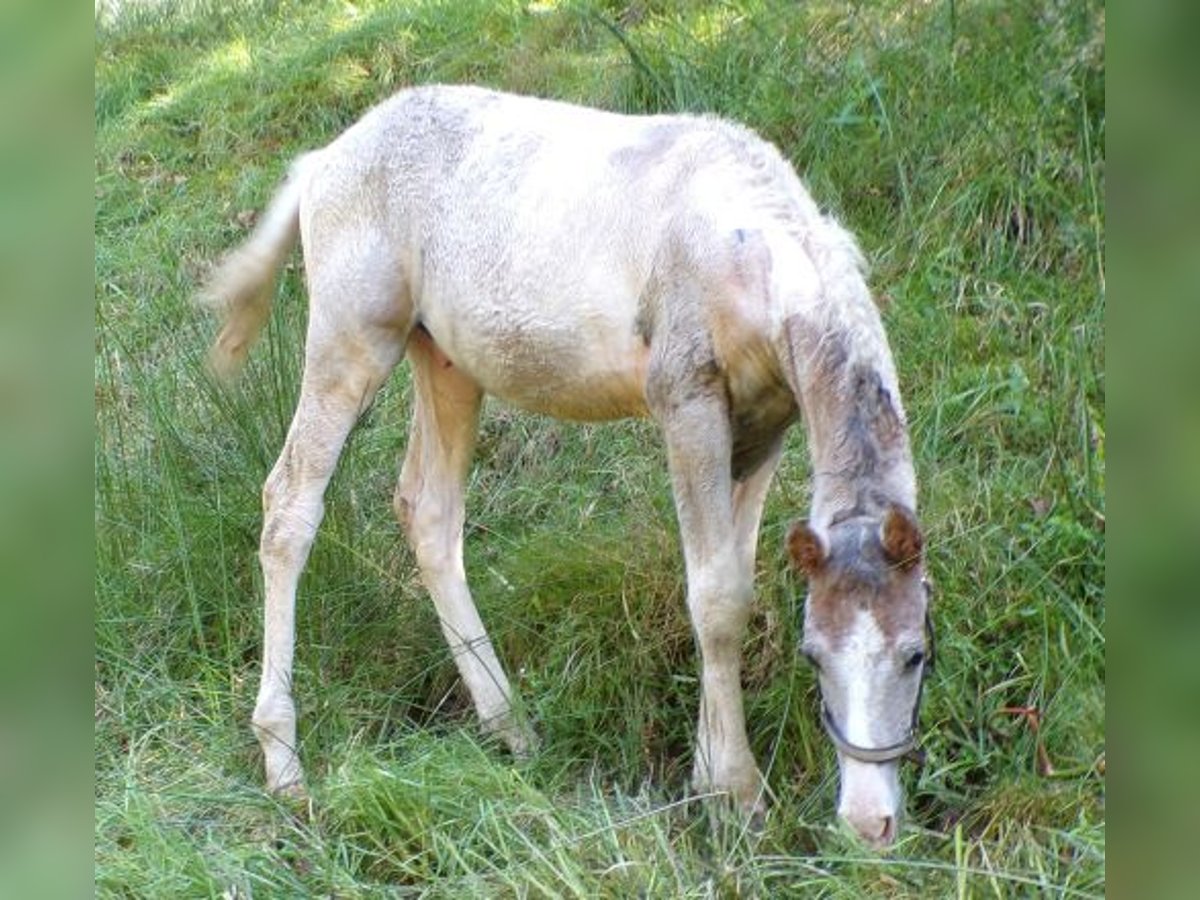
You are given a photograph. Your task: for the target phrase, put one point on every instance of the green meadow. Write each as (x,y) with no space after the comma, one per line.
(963,142)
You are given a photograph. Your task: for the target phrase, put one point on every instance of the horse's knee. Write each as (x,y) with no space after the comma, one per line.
(431,526)
(720,609)
(721,627)
(436,553)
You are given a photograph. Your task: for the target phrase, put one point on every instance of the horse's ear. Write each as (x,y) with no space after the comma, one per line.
(806,550)
(901,537)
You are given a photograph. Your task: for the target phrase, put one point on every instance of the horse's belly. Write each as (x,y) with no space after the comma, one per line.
(584,393)
(582,367)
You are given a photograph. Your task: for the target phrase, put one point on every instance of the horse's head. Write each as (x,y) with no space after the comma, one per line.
(867,633)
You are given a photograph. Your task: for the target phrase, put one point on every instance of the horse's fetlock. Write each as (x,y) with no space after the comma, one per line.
(273,715)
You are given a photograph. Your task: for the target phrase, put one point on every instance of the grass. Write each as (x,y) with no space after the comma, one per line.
(962,141)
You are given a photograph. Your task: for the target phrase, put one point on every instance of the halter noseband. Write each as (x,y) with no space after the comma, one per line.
(907,746)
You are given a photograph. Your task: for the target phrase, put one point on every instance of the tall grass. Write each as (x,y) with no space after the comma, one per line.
(962,141)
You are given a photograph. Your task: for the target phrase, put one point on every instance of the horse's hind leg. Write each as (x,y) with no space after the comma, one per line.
(345,362)
(430,504)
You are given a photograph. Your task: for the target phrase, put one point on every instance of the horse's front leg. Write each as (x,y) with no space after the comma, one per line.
(719,588)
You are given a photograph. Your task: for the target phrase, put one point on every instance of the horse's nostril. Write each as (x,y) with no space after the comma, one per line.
(875,830)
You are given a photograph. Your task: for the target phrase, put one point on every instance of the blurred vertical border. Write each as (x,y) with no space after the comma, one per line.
(1153,330)
(46,464)
(46,530)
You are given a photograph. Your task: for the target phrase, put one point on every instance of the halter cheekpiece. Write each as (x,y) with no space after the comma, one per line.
(906,747)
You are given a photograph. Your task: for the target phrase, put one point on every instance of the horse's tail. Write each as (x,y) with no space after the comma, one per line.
(242,287)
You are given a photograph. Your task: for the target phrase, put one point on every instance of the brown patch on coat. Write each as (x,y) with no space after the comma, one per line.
(757,429)
(857,573)
(823,354)
(876,409)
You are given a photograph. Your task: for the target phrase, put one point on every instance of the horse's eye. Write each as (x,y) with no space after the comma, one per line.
(915,659)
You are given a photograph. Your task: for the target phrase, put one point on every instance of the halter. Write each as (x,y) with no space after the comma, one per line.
(907,746)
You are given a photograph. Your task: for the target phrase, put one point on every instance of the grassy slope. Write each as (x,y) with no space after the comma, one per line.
(964,144)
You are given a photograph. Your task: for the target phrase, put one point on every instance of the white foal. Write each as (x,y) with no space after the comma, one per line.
(588,265)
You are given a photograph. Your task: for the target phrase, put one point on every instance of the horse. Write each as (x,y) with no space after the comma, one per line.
(588,265)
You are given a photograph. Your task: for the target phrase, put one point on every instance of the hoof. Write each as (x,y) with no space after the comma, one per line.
(294,795)
(749,809)
(735,818)
(521,740)
(523,745)
(746,800)
(755,816)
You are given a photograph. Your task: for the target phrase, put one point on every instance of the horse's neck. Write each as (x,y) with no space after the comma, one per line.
(857,436)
